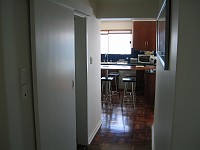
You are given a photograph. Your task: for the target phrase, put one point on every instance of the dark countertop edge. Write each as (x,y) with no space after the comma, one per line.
(134,64)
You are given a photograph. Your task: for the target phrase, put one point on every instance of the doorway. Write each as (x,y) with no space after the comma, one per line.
(81,79)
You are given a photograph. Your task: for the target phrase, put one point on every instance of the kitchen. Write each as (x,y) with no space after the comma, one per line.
(128,50)
(130,43)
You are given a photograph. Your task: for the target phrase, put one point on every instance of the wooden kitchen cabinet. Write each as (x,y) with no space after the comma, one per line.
(140,81)
(149,91)
(144,35)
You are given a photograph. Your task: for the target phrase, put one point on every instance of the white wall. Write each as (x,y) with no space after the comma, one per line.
(16,53)
(165,91)
(177,99)
(116,25)
(186,122)
(94,75)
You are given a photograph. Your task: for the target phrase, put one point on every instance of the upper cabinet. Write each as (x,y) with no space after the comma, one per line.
(144,35)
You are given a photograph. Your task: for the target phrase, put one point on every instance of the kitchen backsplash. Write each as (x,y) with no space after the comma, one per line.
(126,57)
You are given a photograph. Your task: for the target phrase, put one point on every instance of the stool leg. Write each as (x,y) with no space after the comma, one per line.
(102,92)
(102,87)
(133,96)
(106,94)
(115,92)
(129,95)
(125,90)
(116,84)
(110,94)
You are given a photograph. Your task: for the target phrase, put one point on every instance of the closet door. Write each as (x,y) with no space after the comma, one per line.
(52,27)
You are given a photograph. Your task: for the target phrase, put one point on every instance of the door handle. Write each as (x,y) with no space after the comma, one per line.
(73,84)
(146,44)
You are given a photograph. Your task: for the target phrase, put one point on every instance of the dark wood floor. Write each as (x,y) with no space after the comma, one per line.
(124,129)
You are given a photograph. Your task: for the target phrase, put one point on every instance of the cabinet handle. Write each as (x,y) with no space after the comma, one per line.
(147,43)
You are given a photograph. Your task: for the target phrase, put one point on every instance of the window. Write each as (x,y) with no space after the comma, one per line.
(116,41)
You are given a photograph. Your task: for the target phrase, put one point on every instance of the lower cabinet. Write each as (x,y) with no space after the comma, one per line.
(140,82)
(149,90)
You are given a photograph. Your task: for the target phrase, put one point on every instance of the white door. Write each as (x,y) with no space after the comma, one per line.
(52,27)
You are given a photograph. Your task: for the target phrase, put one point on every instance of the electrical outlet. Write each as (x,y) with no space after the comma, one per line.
(24,92)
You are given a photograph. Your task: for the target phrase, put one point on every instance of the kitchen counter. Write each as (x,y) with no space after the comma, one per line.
(140,71)
(125,63)
(127,67)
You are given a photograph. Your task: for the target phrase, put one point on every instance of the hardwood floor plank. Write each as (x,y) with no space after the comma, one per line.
(125,130)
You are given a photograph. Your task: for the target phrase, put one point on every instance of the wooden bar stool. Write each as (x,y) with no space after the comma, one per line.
(129,94)
(106,92)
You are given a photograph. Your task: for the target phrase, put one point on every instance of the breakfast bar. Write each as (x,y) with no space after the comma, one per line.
(127,67)
(145,76)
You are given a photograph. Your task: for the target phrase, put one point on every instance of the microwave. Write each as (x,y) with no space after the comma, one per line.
(142,58)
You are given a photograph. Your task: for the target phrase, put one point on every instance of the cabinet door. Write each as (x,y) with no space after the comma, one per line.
(151,35)
(144,35)
(139,35)
(53,72)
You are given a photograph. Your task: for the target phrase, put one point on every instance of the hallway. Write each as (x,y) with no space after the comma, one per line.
(125,130)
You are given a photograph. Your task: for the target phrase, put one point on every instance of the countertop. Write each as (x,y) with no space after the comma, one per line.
(126,64)
(128,67)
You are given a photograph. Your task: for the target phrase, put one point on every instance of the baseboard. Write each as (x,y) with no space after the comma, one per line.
(94,132)
(152,137)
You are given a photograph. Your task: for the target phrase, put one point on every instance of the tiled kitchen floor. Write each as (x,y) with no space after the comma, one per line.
(125,130)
